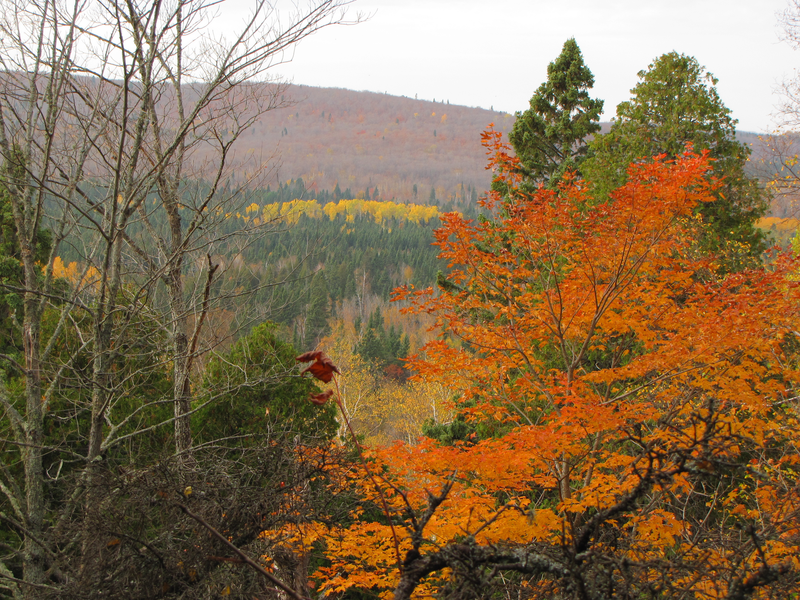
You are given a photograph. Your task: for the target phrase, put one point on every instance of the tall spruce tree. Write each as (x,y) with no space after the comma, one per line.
(550,137)
(318,312)
(676,103)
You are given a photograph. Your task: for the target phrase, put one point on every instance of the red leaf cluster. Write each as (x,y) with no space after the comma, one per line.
(322,368)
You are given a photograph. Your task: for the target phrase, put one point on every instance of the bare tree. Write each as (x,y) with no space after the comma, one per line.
(118,123)
(780,167)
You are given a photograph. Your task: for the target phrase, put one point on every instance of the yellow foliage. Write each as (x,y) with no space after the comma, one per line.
(89,279)
(69,272)
(379,210)
(780,224)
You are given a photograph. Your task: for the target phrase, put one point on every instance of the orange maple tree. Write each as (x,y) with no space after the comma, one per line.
(643,409)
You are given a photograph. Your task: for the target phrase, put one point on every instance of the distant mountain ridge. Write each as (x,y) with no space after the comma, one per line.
(402,147)
(364,140)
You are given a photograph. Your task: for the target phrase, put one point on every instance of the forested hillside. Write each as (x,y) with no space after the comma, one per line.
(389,147)
(326,256)
(385,146)
(269,342)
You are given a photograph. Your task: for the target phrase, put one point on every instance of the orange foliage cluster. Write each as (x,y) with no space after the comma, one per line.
(645,407)
(781,230)
(90,277)
(780,224)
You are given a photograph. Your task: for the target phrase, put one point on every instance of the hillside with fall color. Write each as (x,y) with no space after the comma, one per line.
(394,147)
(264,341)
(360,141)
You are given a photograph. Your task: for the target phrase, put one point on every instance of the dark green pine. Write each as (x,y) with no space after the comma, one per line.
(674,104)
(550,137)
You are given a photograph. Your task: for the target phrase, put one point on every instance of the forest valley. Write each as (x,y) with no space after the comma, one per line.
(213,386)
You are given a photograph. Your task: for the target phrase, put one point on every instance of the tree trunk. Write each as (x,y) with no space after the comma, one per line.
(34,567)
(181,360)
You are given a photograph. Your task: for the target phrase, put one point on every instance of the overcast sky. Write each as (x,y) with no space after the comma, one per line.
(494,53)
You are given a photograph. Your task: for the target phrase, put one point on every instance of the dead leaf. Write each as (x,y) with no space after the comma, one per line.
(322,368)
(321,398)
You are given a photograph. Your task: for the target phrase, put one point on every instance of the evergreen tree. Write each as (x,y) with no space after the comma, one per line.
(318,312)
(10,276)
(373,345)
(264,398)
(550,137)
(674,104)
(385,349)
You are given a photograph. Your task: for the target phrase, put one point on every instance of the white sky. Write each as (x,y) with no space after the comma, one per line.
(494,53)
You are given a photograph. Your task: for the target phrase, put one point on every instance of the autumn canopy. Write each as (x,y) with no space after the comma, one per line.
(633,418)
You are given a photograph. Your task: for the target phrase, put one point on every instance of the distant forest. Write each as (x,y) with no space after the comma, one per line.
(372,144)
(333,145)
(324,260)
(348,144)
